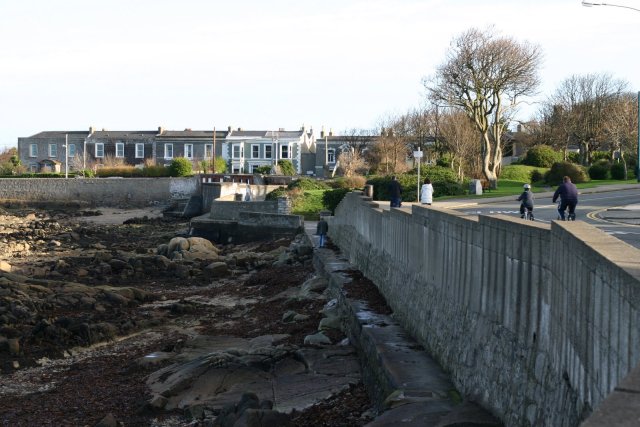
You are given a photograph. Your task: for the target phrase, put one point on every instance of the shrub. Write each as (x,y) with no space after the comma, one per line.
(573,157)
(560,169)
(350,182)
(541,156)
(286,167)
(278,192)
(617,170)
(331,198)
(520,173)
(263,170)
(308,184)
(155,171)
(600,169)
(537,176)
(180,167)
(444,180)
(600,155)
(121,171)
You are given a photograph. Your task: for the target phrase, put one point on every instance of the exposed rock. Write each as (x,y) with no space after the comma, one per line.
(217,269)
(108,421)
(317,339)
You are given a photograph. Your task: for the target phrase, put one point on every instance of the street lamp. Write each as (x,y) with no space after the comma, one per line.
(589,4)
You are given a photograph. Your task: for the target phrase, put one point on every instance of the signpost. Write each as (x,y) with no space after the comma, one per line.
(418,156)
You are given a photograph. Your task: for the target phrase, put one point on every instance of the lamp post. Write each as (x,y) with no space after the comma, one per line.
(66,155)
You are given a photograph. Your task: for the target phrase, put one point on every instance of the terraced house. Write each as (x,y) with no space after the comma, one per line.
(244,151)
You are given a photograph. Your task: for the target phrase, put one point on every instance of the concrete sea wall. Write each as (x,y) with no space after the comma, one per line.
(537,323)
(112,192)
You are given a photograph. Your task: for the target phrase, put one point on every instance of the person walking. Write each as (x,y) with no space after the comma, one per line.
(526,201)
(426,192)
(395,192)
(568,193)
(321,230)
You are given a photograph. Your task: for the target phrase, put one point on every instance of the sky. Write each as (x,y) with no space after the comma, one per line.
(262,65)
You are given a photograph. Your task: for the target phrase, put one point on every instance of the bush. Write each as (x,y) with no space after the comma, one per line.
(444,180)
(617,170)
(558,170)
(155,171)
(520,173)
(331,198)
(541,156)
(573,157)
(263,170)
(600,155)
(180,167)
(278,192)
(121,171)
(600,169)
(536,176)
(308,184)
(286,167)
(350,182)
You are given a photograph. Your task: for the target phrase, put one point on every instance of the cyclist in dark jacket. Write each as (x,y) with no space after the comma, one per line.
(568,194)
(526,199)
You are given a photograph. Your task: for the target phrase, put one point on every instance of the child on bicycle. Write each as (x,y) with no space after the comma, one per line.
(526,201)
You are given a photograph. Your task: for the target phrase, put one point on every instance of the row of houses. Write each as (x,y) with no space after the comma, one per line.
(243,150)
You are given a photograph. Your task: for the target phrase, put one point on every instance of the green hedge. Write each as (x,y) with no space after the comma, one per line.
(541,156)
(444,180)
(308,184)
(558,170)
(522,173)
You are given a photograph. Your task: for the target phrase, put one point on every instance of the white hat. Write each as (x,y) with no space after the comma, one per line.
(527,186)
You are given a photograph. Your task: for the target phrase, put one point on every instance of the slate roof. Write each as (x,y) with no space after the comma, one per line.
(60,133)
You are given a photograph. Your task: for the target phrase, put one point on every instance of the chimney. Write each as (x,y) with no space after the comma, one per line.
(187,129)
(228,128)
(91,130)
(330,132)
(280,129)
(322,132)
(160,130)
(239,129)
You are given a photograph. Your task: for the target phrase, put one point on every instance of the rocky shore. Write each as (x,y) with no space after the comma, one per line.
(139,324)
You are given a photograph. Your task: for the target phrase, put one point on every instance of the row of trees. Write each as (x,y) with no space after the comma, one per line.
(474,96)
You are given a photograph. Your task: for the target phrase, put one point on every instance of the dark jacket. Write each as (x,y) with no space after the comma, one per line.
(395,190)
(567,192)
(322,227)
(526,198)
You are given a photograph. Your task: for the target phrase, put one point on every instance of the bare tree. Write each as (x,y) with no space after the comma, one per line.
(460,139)
(351,162)
(390,150)
(358,140)
(621,127)
(485,75)
(582,103)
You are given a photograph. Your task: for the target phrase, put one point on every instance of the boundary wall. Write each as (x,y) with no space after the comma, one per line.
(111,192)
(537,323)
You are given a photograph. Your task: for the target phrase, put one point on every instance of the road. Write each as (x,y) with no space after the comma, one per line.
(615,212)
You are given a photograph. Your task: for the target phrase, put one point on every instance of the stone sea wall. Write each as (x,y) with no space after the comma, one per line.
(108,192)
(537,323)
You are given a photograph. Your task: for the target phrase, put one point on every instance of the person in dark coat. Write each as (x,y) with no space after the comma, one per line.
(568,193)
(526,201)
(395,192)
(321,230)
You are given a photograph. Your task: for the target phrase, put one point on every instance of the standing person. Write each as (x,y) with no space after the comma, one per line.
(568,194)
(395,192)
(321,230)
(426,192)
(526,201)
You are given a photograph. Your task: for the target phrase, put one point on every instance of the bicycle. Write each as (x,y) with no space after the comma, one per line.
(569,216)
(527,215)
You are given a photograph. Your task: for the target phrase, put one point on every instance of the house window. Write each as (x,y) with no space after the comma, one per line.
(284,151)
(53,150)
(168,151)
(238,152)
(119,149)
(331,155)
(72,150)
(33,167)
(208,151)
(99,150)
(255,151)
(254,168)
(267,151)
(33,150)
(139,150)
(188,151)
